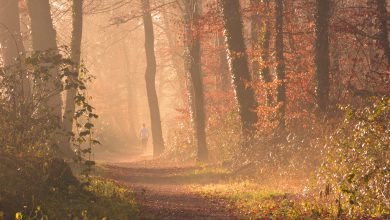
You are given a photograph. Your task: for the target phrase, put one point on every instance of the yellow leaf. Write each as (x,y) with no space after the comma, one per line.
(18,216)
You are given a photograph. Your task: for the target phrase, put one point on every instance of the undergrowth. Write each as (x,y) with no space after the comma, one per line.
(351,183)
(252,201)
(32,189)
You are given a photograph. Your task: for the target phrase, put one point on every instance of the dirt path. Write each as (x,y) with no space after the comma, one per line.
(163,192)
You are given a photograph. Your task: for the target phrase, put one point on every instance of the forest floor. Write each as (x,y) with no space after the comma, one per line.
(168,190)
(164,191)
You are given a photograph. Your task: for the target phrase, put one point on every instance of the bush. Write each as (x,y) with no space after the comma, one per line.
(180,145)
(34,183)
(37,188)
(356,173)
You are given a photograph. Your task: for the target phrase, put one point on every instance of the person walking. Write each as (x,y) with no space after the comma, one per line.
(144,135)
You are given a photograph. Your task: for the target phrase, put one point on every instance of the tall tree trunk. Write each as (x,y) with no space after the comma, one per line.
(10,37)
(223,63)
(239,67)
(195,73)
(150,77)
(44,39)
(12,45)
(322,59)
(255,33)
(42,30)
(77,24)
(383,35)
(13,51)
(265,70)
(13,54)
(187,59)
(280,66)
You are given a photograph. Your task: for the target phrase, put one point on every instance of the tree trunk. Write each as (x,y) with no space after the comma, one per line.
(265,70)
(195,73)
(239,67)
(150,77)
(223,63)
(44,39)
(10,37)
(322,59)
(383,35)
(77,24)
(255,33)
(280,65)
(187,60)
(12,50)
(42,30)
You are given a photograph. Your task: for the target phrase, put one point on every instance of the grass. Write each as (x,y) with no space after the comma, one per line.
(102,199)
(251,200)
(207,171)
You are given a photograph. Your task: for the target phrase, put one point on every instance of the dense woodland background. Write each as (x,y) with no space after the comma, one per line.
(292,89)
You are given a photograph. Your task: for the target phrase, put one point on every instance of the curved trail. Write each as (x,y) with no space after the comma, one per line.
(163,192)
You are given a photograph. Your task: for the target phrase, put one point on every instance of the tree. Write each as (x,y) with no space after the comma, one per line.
(42,31)
(255,33)
(77,25)
(322,59)
(192,14)
(223,63)
(280,65)
(12,49)
(239,67)
(44,38)
(150,77)
(10,37)
(265,70)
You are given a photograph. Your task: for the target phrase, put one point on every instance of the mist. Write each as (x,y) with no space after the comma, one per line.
(194,109)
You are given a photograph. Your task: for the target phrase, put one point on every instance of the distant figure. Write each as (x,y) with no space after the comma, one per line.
(144,135)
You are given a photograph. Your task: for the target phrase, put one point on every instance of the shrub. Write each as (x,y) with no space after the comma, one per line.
(356,172)
(37,188)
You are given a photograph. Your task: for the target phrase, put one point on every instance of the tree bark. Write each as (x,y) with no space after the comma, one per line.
(42,30)
(150,77)
(239,67)
(265,70)
(44,39)
(383,35)
(280,65)
(13,51)
(195,73)
(255,33)
(223,63)
(322,59)
(77,24)
(10,37)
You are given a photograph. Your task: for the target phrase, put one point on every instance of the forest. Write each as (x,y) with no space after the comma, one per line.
(194,109)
